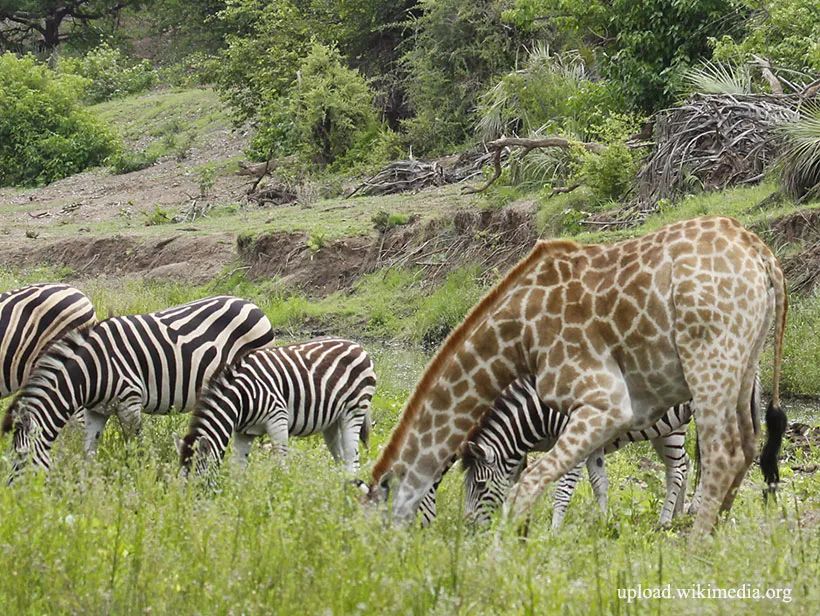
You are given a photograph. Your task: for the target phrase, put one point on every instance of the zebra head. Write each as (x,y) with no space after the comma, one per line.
(27,443)
(196,453)
(486,481)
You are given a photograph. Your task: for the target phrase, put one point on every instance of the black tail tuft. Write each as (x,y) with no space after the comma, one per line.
(775,428)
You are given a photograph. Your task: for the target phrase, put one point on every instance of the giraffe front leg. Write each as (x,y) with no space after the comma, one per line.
(589,428)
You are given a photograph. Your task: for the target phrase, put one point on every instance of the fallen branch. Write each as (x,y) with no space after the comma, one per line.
(527,144)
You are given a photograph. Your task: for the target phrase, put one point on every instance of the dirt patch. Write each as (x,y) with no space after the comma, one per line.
(180,258)
(492,239)
(319,271)
(802,226)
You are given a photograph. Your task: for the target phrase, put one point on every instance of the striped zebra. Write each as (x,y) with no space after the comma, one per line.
(324,385)
(30,319)
(128,365)
(495,454)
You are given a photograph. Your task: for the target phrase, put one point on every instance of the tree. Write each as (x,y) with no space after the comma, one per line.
(47,23)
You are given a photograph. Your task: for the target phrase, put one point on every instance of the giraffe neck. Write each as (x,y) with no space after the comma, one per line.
(458,347)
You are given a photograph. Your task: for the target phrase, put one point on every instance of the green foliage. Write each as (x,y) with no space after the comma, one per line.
(644,48)
(801,351)
(266,44)
(444,308)
(45,134)
(327,116)
(786,32)
(126,161)
(316,241)
(552,92)
(457,48)
(718,78)
(206,176)
(383,222)
(158,216)
(800,157)
(110,73)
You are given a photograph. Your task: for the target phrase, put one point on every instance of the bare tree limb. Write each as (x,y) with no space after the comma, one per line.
(527,144)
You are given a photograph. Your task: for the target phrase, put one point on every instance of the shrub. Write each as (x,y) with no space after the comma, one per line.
(327,115)
(787,32)
(110,73)
(127,161)
(458,47)
(551,92)
(45,134)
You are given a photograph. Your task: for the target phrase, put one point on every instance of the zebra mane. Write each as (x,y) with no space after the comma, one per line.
(220,376)
(52,356)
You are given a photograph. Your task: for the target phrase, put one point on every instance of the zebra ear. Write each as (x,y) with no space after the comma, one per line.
(178,443)
(203,446)
(482,454)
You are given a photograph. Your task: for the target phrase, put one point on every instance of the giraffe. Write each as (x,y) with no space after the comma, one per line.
(614,334)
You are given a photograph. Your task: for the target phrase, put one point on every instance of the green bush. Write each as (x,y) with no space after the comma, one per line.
(45,133)
(551,92)
(110,73)
(458,47)
(327,116)
(127,161)
(786,32)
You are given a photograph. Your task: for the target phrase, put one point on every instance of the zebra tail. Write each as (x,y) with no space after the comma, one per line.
(365,430)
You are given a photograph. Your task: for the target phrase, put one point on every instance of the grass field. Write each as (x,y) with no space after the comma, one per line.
(123,534)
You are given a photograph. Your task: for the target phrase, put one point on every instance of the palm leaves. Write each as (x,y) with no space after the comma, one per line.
(800,157)
(718,78)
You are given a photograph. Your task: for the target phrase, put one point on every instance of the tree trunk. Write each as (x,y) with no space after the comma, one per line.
(51,35)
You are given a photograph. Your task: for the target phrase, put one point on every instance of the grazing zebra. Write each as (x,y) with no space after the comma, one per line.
(30,319)
(130,364)
(495,454)
(323,385)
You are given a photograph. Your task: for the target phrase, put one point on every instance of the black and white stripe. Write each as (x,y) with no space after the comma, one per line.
(30,319)
(496,452)
(127,365)
(324,385)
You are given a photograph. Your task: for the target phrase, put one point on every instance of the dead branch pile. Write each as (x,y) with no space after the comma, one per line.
(711,142)
(414,175)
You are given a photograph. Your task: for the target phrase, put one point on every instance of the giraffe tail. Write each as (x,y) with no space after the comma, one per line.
(775,417)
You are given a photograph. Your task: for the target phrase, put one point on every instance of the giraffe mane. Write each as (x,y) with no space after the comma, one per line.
(438,363)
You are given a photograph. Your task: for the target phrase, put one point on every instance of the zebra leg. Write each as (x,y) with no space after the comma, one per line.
(563,493)
(242,448)
(598,478)
(349,429)
(130,416)
(672,453)
(94,426)
(277,430)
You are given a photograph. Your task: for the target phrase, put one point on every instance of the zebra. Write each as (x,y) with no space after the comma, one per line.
(495,454)
(128,365)
(324,385)
(31,318)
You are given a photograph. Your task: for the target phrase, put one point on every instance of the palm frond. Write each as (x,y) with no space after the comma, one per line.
(718,78)
(800,157)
